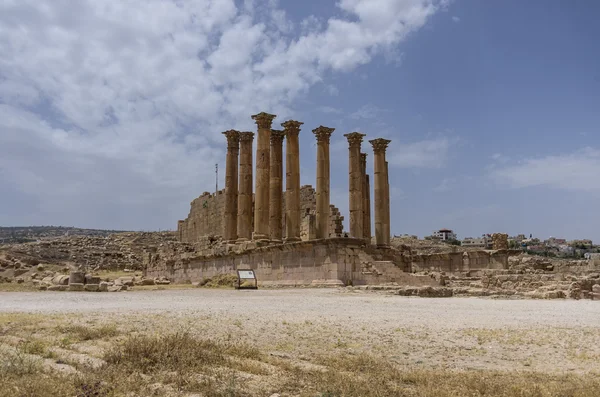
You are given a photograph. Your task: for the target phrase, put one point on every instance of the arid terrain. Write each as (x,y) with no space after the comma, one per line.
(295,342)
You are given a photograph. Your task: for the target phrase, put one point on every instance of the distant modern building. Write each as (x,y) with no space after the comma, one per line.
(444,234)
(481,242)
(555,242)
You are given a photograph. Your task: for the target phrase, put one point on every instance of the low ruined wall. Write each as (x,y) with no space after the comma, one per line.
(336,261)
(331,261)
(455,262)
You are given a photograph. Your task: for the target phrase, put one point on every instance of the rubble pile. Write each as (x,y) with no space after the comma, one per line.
(113,252)
(79,281)
(529,277)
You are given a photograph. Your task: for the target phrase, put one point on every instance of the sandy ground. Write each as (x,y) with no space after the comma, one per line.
(453,333)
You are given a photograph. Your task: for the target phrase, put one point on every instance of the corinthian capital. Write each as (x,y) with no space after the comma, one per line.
(246,136)
(277,136)
(323,133)
(291,127)
(233,138)
(263,120)
(379,145)
(354,138)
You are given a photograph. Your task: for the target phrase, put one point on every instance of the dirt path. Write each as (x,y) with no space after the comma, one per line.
(454,333)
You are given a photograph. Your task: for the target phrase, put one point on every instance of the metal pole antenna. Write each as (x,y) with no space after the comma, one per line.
(216,178)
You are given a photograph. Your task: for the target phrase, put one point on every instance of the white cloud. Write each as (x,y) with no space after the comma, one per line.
(445,185)
(330,109)
(128,99)
(367,112)
(576,171)
(456,19)
(423,154)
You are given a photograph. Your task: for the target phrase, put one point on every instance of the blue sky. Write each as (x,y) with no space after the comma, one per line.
(111,112)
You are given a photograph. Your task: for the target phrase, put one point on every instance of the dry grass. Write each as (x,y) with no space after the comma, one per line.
(142,359)
(180,363)
(220,281)
(84,333)
(16,287)
(174,352)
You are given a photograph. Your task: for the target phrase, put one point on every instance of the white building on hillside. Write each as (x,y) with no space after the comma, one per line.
(444,234)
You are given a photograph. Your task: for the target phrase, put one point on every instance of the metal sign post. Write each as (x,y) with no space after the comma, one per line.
(246,279)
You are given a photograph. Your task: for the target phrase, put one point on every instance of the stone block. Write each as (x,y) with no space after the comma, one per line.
(76,287)
(77,278)
(92,287)
(89,279)
(58,288)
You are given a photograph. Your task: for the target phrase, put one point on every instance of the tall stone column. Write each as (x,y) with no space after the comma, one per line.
(231,184)
(366,199)
(263,178)
(382,232)
(356,184)
(323,135)
(245,187)
(292,180)
(387,226)
(276,186)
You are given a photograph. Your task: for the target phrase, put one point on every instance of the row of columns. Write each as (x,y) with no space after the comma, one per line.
(269,184)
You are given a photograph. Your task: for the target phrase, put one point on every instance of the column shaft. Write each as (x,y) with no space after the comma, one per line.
(276,186)
(245,187)
(381,232)
(368,232)
(323,135)
(292,180)
(231,184)
(355,184)
(366,199)
(261,198)
(387,221)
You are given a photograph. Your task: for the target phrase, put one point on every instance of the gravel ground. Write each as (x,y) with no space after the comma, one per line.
(453,333)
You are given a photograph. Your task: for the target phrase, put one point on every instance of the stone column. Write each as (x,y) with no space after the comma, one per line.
(382,234)
(245,187)
(263,163)
(276,186)
(366,199)
(292,180)
(323,135)
(231,185)
(387,218)
(356,184)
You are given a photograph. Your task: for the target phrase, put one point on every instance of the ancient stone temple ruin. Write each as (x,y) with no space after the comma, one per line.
(292,234)
(240,214)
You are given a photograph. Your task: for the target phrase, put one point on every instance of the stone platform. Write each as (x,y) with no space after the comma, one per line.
(324,262)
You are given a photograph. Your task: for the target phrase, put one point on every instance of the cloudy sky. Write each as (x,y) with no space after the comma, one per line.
(111,112)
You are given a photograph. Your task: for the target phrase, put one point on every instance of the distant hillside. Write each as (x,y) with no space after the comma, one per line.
(25,234)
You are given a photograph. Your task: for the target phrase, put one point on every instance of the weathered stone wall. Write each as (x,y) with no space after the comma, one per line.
(318,262)
(336,261)
(467,261)
(500,241)
(206,217)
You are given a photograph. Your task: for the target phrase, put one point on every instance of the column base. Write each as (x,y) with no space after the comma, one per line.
(242,240)
(260,236)
(292,240)
(383,246)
